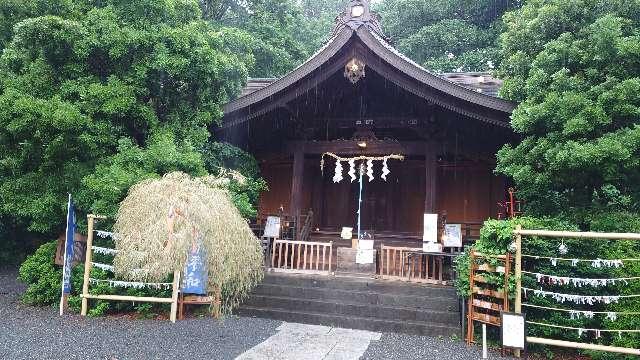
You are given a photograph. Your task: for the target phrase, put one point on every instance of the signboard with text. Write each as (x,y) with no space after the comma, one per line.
(272,227)
(195,272)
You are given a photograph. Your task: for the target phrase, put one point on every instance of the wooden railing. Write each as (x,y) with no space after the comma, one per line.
(406,264)
(302,256)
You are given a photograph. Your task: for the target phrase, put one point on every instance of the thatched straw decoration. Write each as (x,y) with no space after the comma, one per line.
(161,218)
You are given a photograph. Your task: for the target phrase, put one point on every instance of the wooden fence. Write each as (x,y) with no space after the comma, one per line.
(88,264)
(302,257)
(409,264)
(519,233)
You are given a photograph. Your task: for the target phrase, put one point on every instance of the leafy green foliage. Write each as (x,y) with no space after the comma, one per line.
(495,238)
(108,78)
(43,280)
(220,157)
(574,65)
(447,35)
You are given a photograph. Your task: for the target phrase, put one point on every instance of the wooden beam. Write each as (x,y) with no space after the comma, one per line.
(296,181)
(431,177)
(350,147)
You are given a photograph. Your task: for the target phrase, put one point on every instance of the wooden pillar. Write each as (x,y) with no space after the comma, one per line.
(431,177)
(296,182)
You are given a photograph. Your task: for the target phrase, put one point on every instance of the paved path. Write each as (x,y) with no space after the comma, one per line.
(39,333)
(310,342)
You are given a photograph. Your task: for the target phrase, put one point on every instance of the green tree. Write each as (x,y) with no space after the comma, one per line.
(88,90)
(447,35)
(574,66)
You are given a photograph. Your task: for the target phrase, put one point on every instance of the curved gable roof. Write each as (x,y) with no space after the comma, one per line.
(419,80)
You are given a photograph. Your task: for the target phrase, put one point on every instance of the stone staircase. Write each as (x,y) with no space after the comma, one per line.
(356,303)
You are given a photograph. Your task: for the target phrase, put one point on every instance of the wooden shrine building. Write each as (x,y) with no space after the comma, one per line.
(357,95)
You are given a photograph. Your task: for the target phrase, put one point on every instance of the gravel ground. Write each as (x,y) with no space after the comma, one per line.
(39,333)
(401,347)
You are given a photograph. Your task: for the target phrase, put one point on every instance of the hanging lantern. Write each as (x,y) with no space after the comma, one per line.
(354,70)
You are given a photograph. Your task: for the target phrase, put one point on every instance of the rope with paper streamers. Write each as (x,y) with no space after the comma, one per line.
(597,263)
(578,282)
(582,331)
(352,165)
(581,299)
(132,284)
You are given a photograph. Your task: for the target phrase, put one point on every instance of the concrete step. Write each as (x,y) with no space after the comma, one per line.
(394,313)
(351,322)
(435,303)
(361,284)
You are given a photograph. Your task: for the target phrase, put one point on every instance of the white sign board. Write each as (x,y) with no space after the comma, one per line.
(347,233)
(430,228)
(452,235)
(365,244)
(513,330)
(272,227)
(364,256)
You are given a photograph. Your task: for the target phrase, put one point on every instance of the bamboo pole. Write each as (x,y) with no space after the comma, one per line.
(129,298)
(87,266)
(577,345)
(174,296)
(518,275)
(574,234)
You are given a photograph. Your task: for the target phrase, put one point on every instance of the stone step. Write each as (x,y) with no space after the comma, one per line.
(362,284)
(448,303)
(396,313)
(351,322)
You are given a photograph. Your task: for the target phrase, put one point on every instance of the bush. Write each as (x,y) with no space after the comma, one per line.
(43,279)
(495,238)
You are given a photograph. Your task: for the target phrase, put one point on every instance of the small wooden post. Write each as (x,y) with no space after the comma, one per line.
(518,274)
(87,266)
(174,296)
(330,255)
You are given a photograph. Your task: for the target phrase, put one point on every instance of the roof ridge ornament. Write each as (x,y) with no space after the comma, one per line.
(357,14)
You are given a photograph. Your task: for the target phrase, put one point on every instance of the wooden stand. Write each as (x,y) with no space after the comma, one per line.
(486,302)
(214,301)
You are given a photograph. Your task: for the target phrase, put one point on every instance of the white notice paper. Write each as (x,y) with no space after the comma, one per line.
(272,227)
(513,330)
(452,235)
(364,256)
(347,233)
(430,228)
(365,244)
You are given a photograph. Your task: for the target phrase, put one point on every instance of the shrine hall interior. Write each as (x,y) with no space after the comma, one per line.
(448,127)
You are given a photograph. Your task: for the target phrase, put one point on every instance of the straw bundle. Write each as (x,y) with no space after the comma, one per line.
(161,219)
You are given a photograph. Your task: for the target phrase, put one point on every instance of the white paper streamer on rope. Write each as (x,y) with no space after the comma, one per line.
(132,284)
(385,170)
(597,263)
(104,234)
(103,250)
(611,315)
(103,266)
(337,177)
(578,282)
(578,299)
(352,169)
(582,330)
(370,169)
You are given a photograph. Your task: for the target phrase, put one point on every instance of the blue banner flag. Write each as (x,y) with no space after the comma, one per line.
(68,247)
(195,271)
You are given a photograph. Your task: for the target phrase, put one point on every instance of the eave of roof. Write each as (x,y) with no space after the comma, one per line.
(386,52)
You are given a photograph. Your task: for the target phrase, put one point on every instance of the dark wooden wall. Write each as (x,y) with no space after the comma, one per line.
(468,192)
